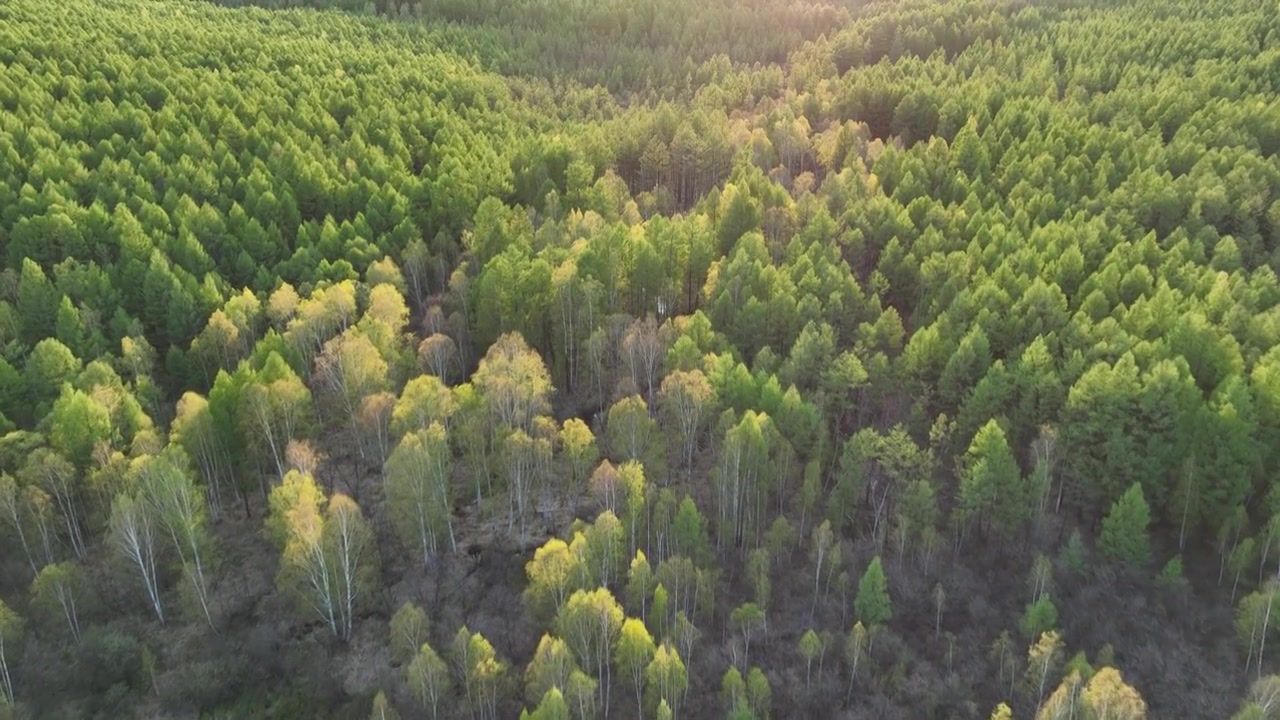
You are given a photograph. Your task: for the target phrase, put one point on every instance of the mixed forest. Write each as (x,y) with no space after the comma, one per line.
(634,359)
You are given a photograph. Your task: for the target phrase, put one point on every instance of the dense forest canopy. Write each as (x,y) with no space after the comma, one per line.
(559,359)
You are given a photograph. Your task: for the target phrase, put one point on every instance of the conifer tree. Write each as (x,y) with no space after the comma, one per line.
(872,603)
(1124,530)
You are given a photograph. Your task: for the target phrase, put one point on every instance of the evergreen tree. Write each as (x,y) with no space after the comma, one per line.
(1124,530)
(872,603)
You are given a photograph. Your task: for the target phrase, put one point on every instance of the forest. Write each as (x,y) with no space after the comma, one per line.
(639,359)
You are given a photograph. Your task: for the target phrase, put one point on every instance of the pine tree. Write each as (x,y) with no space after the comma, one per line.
(873,603)
(1124,530)
(1040,616)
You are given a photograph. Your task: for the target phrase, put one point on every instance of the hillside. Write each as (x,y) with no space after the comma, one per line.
(747,358)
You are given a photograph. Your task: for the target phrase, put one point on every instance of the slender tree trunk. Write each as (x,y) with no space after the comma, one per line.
(202,588)
(638,678)
(72,520)
(4,674)
(22,538)
(1186,510)
(1266,621)
(68,603)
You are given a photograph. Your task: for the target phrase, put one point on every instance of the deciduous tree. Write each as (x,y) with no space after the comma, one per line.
(1043,660)
(61,592)
(328,556)
(11,628)
(134,530)
(513,382)
(590,622)
(667,678)
(382,708)
(409,627)
(419,487)
(687,397)
(635,650)
(1108,697)
(552,666)
(428,678)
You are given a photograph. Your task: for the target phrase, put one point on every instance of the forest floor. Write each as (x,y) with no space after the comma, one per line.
(1175,645)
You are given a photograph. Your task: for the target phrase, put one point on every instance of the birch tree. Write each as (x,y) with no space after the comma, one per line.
(437,354)
(634,653)
(428,678)
(375,422)
(590,622)
(639,584)
(349,369)
(423,402)
(821,550)
(551,666)
(630,429)
(178,505)
(15,511)
(855,650)
(643,347)
(667,678)
(327,312)
(276,407)
(1254,621)
(553,573)
(58,477)
(419,491)
(743,479)
(409,627)
(10,635)
(526,459)
(133,533)
(578,446)
(1108,697)
(604,550)
(354,556)
(631,475)
(382,708)
(328,557)
(513,381)
(195,430)
(687,398)
(61,590)
(810,646)
(1043,660)
(480,670)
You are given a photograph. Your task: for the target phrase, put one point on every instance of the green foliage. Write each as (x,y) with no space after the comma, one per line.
(872,603)
(764,248)
(409,628)
(552,707)
(1072,556)
(1124,530)
(382,708)
(1040,616)
(991,486)
(1171,575)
